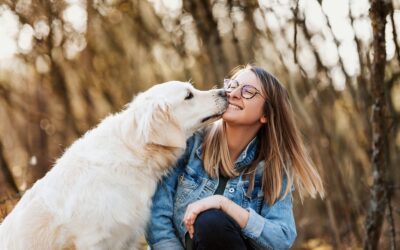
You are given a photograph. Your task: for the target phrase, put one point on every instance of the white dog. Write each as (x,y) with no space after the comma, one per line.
(98,194)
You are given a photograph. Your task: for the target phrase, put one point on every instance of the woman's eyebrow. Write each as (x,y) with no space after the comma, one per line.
(246,83)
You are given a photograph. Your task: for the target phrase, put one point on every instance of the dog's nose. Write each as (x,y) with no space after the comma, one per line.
(221,93)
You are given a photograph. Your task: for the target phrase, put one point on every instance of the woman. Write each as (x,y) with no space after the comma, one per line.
(232,187)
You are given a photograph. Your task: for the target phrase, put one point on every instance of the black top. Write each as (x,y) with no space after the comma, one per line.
(221,184)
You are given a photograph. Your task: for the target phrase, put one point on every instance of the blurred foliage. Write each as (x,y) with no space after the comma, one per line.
(64,65)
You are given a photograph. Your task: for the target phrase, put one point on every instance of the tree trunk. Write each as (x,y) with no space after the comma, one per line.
(378,12)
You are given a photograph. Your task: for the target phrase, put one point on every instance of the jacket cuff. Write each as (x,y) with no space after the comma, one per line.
(170,244)
(254,226)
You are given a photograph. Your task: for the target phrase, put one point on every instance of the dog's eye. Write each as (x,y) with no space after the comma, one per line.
(189,96)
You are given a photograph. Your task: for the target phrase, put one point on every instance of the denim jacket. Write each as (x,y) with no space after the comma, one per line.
(268,227)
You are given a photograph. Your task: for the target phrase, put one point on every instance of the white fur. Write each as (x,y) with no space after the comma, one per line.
(98,194)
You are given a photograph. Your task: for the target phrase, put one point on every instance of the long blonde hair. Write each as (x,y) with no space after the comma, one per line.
(279,145)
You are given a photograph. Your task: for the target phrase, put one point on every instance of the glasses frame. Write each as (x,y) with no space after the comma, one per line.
(242,88)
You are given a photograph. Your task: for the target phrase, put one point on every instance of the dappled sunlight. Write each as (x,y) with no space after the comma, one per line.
(65,65)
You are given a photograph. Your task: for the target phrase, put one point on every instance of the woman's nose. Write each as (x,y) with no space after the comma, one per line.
(234,93)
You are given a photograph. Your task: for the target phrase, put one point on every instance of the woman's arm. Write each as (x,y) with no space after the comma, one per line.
(239,214)
(273,229)
(160,232)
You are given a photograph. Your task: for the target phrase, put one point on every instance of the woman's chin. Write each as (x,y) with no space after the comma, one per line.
(228,117)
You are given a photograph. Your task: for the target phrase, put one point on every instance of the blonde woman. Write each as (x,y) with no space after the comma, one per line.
(232,189)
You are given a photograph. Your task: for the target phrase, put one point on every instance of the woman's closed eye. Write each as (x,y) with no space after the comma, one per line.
(249,91)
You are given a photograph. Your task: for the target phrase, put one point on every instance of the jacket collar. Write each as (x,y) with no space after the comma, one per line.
(244,159)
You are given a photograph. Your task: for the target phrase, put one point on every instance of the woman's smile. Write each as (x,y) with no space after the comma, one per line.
(234,107)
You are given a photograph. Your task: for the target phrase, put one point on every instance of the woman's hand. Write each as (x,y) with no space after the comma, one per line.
(195,208)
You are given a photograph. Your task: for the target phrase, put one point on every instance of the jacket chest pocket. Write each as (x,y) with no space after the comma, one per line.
(259,201)
(255,200)
(187,184)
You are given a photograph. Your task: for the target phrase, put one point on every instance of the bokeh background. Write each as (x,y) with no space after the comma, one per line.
(65,65)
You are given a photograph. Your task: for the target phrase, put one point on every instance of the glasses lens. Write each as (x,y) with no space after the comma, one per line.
(226,83)
(248,91)
(230,84)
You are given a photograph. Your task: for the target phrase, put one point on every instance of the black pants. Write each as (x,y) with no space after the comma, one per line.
(214,229)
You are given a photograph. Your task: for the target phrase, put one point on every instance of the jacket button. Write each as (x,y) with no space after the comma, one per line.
(231,190)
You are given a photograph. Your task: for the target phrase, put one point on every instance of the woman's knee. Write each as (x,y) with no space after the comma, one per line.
(214,229)
(214,223)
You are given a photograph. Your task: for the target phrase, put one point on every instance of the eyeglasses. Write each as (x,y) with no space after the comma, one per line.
(246,91)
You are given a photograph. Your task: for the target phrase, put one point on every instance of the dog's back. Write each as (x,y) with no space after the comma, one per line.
(98,194)
(84,201)
(29,226)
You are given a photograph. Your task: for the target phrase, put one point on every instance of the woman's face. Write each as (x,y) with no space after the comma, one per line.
(241,111)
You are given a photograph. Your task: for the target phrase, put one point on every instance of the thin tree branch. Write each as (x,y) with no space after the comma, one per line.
(341,63)
(235,40)
(295,12)
(394,33)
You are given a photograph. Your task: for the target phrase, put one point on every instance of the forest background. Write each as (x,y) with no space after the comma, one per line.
(65,65)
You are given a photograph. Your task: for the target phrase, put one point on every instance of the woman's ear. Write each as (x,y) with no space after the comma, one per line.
(263,119)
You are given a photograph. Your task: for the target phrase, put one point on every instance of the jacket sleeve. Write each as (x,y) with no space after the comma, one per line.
(160,233)
(274,228)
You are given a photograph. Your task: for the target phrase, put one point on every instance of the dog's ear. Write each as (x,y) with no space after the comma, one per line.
(158,126)
(165,130)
